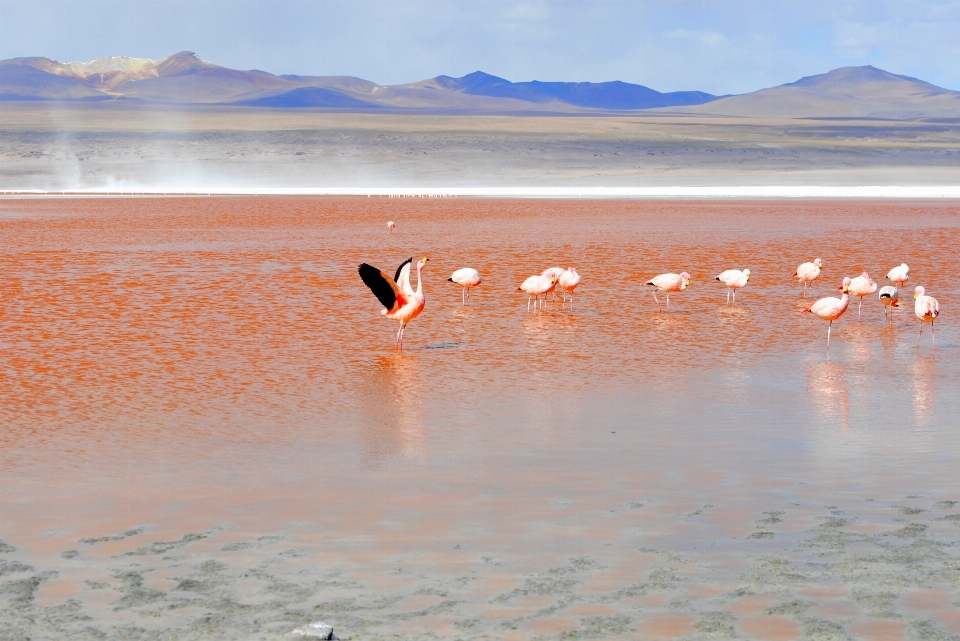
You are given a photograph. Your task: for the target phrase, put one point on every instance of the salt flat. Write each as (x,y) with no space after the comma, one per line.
(86,147)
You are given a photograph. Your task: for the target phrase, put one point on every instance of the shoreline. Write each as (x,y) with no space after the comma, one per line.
(790,192)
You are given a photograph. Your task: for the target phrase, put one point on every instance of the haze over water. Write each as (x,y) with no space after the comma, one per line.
(216,366)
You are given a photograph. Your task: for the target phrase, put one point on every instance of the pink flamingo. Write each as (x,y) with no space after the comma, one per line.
(861,286)
(830,309)
(466,278)
(400,302)
(734,279)
(391,225)
(899,275)
(668,283)
(537,286)
(569,280)
(808,272)
(927,309)
(889,297)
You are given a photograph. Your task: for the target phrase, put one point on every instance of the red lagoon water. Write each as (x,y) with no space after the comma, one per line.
(190,363)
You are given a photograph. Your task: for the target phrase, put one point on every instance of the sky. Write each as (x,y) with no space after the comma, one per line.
(718,46)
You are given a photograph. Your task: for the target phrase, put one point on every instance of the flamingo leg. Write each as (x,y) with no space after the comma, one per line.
(859,307)
(934,332)
(734,297)
(829,327)
(668,301)
(528,302)
(659,310)
(919,335)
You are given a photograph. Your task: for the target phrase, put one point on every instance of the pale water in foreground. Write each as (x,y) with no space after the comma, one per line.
(207,435)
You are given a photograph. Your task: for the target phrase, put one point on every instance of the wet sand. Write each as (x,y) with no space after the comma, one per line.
(207,434)
(105,148)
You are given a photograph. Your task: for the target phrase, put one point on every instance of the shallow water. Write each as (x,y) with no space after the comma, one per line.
(215,366)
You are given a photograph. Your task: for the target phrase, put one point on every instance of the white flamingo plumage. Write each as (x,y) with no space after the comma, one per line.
(391,225)
(830,309)
(808,272)
(734,279)
(569,280)
(889,297)
(668,283)
(466,277)
(927,309)
(537,286)
(861,286)
(400,301)
(899,275)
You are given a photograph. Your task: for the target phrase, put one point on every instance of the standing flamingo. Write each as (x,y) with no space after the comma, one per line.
(537,286)
(569,280)
(927,309)
(391,225)
(400,302)
(861,286)
(830,309)
(808,272)
(889,298)
(668,283)
(899,275)
(734,279)
(466,278)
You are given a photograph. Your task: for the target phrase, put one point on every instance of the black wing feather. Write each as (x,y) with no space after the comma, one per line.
(374,279)
(396,277)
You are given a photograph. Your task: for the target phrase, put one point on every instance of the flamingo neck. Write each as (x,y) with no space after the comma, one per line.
(419,279)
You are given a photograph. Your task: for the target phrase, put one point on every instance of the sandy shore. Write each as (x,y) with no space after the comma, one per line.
(881,567)
(79,148)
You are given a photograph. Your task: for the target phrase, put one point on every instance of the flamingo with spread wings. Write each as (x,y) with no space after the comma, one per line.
(400,301)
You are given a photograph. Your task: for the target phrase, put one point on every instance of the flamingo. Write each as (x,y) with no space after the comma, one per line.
(537,286)
(899,275)
(466,278)
(861,286)
(569,280)
(400,302)
(391,225)
(554,271)
(808,272)
(889,298)
(668,283)
(734,279)
(830,309)
(927,309)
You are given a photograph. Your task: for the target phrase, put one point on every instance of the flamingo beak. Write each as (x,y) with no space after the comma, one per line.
(914,297)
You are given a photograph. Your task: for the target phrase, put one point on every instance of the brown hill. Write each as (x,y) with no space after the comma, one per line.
(846,92)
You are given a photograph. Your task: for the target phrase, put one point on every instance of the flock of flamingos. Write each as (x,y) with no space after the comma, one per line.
(403,303)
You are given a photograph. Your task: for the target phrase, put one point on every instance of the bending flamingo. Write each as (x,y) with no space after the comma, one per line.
(927,309)
(830,309)
(668,283)
(554,271)
(889,297)
(537,286)
(808,272)
(466,278)
(734,279)
(569,280)
(861,286)
(899,275)
(400,302)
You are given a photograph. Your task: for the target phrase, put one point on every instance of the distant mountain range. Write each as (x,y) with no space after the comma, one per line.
(186,79)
